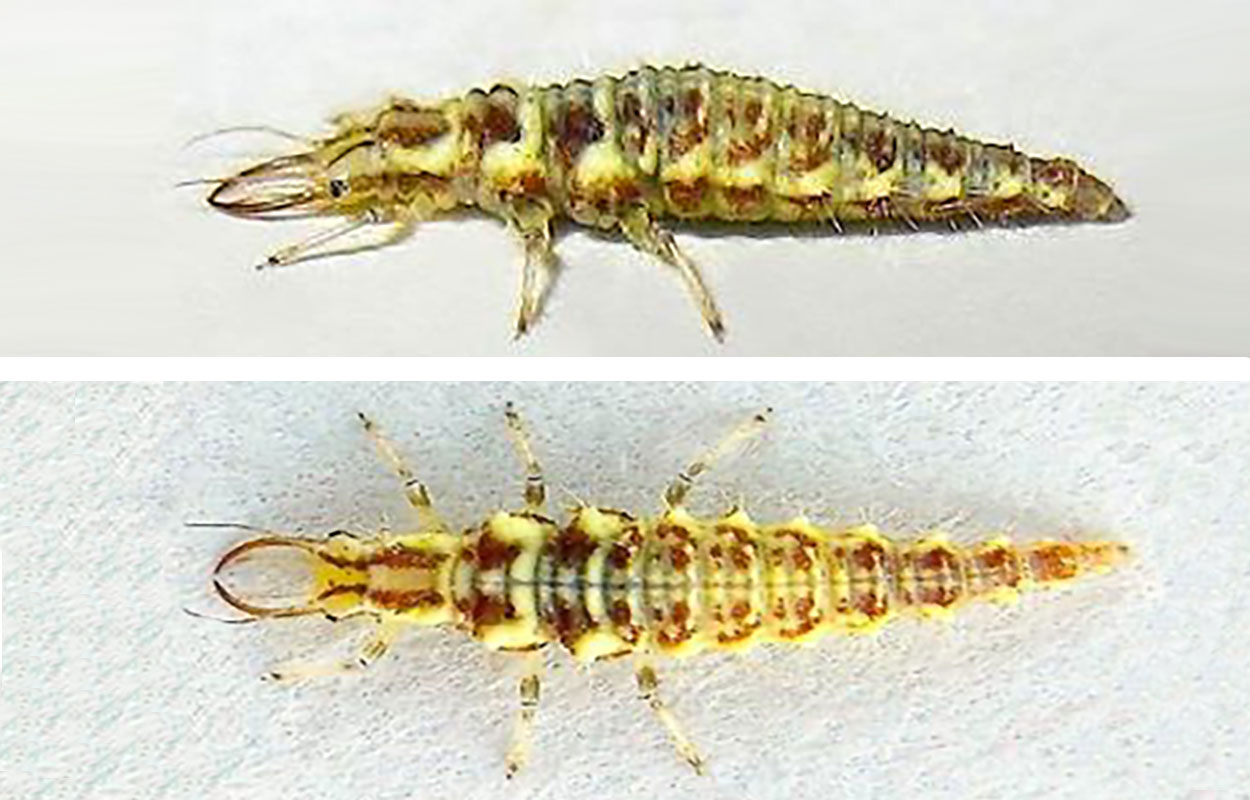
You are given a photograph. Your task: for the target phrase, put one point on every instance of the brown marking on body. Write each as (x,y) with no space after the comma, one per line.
(997,566)
(620,556)
(409,125)
(343,588)
(575,129)
(569,621)
(681,613)
(686,196)
(411,184)
(625,192)
(405,599)
(572,546)
(740,151)
(744,198)
(938,577)
(499,124)
(492,553)
(623,621)
(812,152)
(634,129)
(947,155)
(690,128)
(871,604)
(752,110)
(484,610)
(1055,561)
(404,558)
(740,610)
(868,556)
(620,614)
(1056,172)
(805,621)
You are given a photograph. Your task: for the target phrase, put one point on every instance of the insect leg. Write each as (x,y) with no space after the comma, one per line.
(304,249)
(646,235)
(375,648)
(418,496)
(523,731)
(532,222)
(649,693)
(535,488)
(676,492)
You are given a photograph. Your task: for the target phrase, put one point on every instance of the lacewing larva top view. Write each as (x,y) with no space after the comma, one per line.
(605,583)
(627,153)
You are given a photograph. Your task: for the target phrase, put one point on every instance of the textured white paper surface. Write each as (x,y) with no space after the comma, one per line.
(1134,684)
(103,256)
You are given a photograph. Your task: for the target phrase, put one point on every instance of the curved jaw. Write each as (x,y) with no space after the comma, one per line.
(282,187)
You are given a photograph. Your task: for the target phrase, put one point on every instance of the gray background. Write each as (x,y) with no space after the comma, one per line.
(1134,684)
(102,255)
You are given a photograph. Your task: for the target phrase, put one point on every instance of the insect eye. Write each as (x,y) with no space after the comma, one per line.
(338,187)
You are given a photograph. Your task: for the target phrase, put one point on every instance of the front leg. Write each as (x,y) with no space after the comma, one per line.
(386,633)
(532,223)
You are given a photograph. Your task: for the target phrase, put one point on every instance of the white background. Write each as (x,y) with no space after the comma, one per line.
(103,256)
(1129,685)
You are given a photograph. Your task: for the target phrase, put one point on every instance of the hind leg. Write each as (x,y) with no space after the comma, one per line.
(377,645)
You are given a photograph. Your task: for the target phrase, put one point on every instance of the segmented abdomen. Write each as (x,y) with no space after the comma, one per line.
(696,143)
(608,584)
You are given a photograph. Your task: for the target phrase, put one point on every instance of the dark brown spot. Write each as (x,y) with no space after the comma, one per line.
(880,149)
(871,604)
(936,560)
(803,606)
(415,598)
(343,588)
(741,557)
(486,610)
(690,129)
(575,129)
(620,614)
(573,546)
(680,558)
(742,198)
(740,610)
(1054,562)
(686,196)
(751,113)
(403,557)
(570,622)
(620,556)
(492,553)
(411,126)
(868,556)
(681,613)
(499,124)
(634,130)
(948,156)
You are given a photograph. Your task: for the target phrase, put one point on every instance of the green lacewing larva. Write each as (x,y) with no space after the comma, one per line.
(606,583)
(624,153)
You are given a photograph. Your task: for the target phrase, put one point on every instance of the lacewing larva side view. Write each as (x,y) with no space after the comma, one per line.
(606,583)
(625,153)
